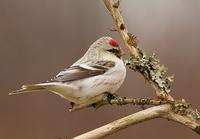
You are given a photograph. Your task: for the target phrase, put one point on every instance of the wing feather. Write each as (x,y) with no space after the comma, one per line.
(83,71)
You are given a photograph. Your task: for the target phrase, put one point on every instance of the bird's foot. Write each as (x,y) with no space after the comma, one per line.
(109,97)
(75,107)
(72,106)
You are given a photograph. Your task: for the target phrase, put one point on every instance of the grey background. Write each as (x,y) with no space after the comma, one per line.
(38,38)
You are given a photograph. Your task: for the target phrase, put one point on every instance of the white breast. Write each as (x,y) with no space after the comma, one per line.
(89,89)
(97,85)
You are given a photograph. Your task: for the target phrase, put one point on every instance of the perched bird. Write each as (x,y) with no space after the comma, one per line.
(99,72)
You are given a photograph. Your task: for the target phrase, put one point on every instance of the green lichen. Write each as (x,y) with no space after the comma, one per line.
(193,113)
(152,70)
(197,129)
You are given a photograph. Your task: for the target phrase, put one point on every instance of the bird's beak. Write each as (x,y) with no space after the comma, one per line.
(119,53)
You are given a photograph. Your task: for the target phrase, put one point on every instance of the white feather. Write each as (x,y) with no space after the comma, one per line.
(86,90)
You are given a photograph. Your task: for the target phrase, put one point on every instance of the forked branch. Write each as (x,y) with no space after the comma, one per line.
(162,111)
(166,107)
(149,67)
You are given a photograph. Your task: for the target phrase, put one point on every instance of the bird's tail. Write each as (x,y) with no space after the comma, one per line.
(28,88)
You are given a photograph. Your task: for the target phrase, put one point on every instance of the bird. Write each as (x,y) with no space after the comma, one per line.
(99,73)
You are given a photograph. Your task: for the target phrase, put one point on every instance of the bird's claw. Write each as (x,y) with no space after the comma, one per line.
(109,97)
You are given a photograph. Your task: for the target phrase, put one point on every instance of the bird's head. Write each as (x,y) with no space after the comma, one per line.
(109,45)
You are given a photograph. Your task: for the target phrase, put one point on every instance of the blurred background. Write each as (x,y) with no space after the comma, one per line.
(41,37)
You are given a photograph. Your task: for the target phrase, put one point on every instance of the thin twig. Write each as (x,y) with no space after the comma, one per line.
(130,41)
(178,111)
(122,101)
(121,27)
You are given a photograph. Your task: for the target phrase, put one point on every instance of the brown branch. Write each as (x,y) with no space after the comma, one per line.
(150,68)
(122,101)
(121,27)
(131,43)
(162,111)
(178,111)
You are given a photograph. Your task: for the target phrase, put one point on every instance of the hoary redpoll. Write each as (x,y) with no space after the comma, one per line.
(101,70)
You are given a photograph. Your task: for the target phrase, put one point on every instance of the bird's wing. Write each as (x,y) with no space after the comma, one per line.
(83,71)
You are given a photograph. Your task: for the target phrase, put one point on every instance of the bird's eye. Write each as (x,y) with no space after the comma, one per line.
(112,50)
